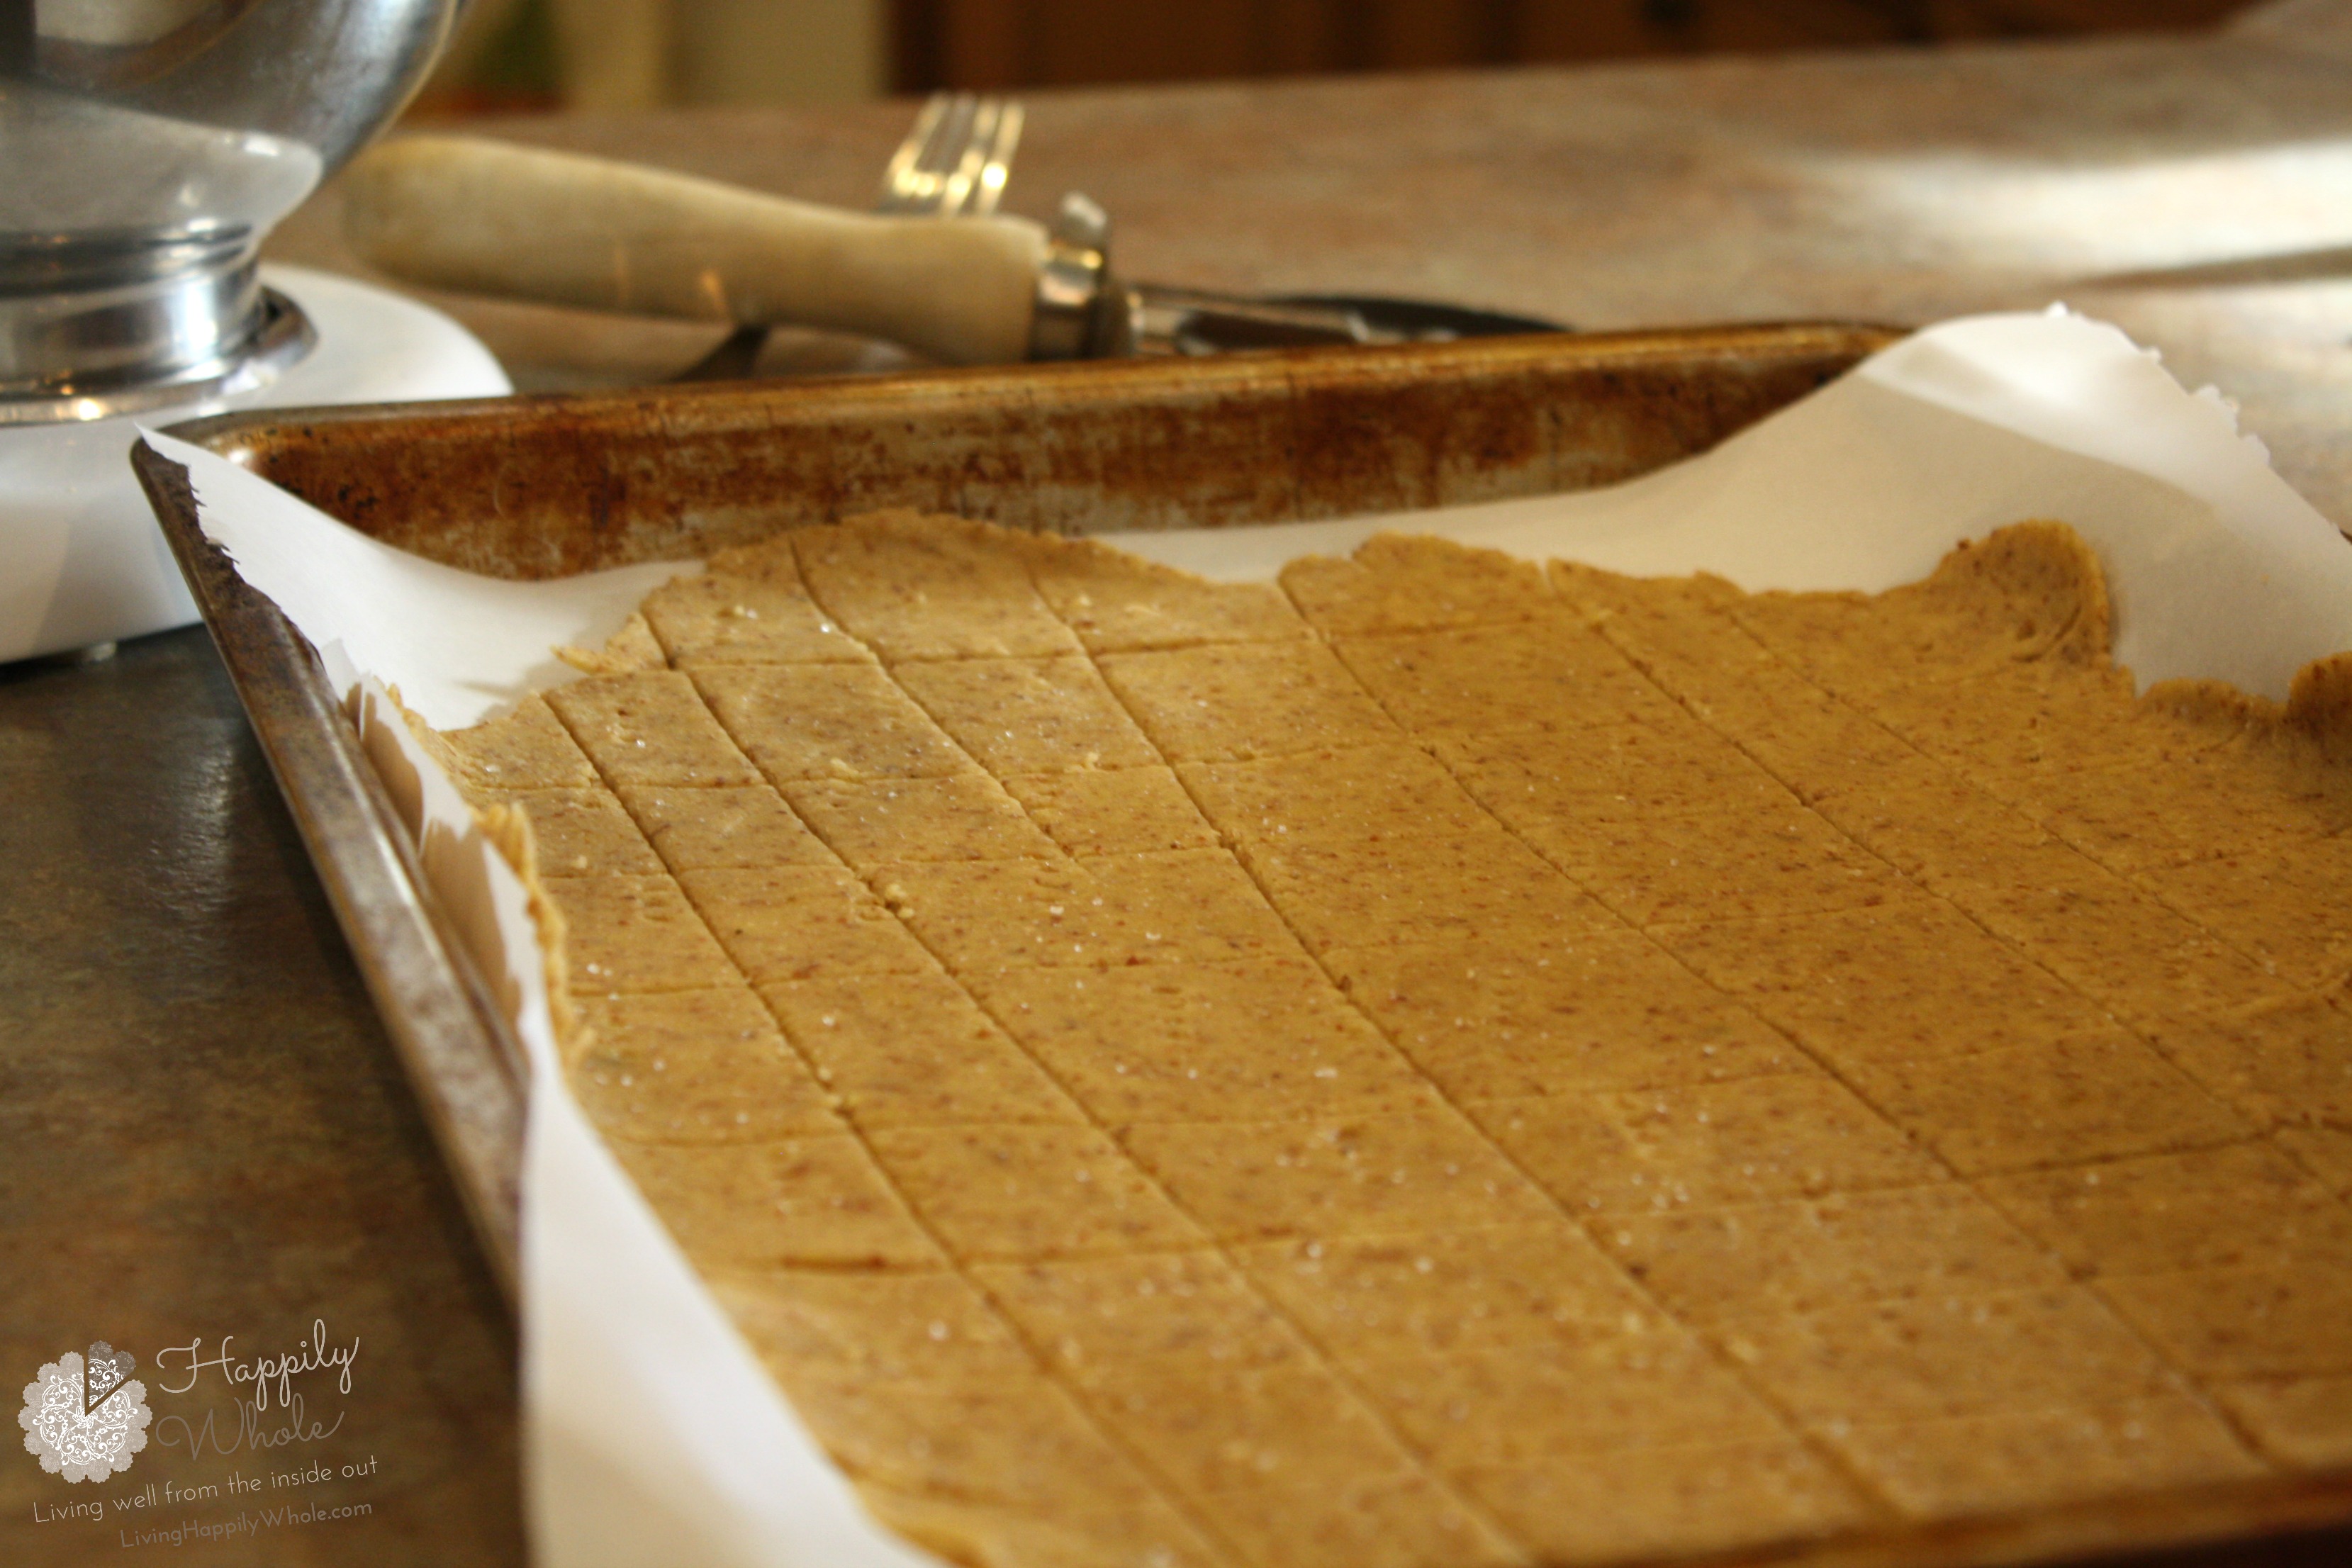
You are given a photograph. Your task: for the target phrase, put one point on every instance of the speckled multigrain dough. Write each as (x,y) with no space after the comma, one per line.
(1446,1062)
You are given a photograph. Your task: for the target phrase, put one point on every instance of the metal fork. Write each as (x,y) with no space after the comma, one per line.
(953,163)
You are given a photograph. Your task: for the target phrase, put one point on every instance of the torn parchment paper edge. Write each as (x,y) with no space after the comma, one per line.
(652,1433)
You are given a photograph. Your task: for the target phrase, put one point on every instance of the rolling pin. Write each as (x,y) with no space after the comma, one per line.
(478,216)
(487,217)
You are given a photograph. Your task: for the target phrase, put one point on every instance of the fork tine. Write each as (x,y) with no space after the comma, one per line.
(955,159)
(900,179)
(945,154)
(931,151)
(970,154)
(951,152)
(997,168)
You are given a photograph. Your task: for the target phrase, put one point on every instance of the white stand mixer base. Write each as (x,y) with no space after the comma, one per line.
(84,560)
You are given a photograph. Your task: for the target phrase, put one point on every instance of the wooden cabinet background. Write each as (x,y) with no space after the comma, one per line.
(1040,43)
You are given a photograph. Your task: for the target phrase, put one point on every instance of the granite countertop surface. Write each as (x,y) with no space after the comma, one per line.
(203,1131)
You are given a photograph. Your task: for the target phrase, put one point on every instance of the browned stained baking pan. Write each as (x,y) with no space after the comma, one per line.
(536,488)
(542,486)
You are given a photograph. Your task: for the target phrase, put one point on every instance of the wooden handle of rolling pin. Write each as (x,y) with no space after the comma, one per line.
(487,217)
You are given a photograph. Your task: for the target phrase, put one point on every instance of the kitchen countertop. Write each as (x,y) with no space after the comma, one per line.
(2196,191)
(203,1131)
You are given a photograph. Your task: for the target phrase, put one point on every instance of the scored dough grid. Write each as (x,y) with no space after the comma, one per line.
(1459,1543)
(1993,1241)
(1817,1297)
(1468,1538)
(2221,1129)
(1804,1507)
(1586,680)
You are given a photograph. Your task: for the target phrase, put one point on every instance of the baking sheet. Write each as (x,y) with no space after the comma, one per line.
(651,1433)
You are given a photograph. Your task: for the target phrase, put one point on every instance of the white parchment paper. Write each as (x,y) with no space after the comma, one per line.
(652,1433)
